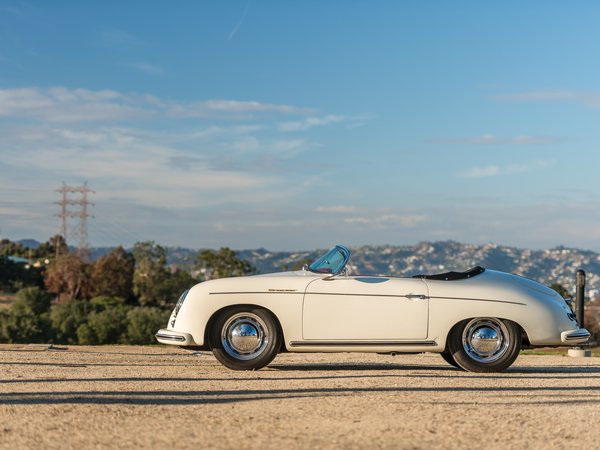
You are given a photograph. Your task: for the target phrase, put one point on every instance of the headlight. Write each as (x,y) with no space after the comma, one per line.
(178,306)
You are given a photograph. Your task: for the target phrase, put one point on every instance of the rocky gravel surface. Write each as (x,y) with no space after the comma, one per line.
(161,397)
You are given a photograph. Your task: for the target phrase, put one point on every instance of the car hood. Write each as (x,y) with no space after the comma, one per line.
(294,281)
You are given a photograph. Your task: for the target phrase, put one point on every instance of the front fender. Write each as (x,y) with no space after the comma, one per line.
(281,294)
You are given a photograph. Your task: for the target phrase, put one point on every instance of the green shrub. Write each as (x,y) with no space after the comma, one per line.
(85,335)
(4,325)
(33,299)
(67,317)
(107,322)
(27,320)
(143,323)
(101,320)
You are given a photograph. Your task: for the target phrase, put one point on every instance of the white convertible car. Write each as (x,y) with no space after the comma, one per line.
(477,320)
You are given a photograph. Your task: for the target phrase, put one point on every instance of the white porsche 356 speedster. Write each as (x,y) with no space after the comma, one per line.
(477,320)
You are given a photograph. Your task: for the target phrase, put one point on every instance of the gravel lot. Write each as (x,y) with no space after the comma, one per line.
(157,397)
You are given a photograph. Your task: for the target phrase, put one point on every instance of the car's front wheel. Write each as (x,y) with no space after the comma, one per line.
(449,359)
(485,344)
(245,338)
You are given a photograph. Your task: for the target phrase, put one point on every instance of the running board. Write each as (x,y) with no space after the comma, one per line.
(361,343)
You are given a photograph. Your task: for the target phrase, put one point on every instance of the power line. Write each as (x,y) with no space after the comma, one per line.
(121,230)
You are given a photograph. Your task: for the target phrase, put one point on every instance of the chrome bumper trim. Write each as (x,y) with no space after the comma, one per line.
(579,336)
(170,337)
(174,337)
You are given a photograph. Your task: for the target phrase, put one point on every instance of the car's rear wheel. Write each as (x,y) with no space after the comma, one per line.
(485,344)
(245,338)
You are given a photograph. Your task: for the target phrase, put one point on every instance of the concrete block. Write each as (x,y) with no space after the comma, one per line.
(580,353)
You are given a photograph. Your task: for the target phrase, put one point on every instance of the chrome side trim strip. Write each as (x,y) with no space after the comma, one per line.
(409,296)
(360,343)
(478,300)
(257,292)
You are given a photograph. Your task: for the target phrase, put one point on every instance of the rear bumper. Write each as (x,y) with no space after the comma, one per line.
(171,337)
(573,337)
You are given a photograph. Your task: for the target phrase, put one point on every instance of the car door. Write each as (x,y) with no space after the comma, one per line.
(365,308)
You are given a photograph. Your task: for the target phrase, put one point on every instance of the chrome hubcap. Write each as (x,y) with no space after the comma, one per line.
(485,340)
(244,336)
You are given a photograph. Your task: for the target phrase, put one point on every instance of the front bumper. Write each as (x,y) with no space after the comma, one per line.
(574,337)
(171,337)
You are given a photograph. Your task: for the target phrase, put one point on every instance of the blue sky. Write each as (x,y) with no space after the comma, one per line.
(296,125)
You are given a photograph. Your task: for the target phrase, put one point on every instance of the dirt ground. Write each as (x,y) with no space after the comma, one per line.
(157,397)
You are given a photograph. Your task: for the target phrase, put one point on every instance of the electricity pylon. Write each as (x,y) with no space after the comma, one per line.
(75,196)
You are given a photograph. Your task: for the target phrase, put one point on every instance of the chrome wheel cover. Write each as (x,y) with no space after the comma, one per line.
(244,336)
(485,340)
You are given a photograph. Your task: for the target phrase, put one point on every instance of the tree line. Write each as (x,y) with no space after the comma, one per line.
(124,297)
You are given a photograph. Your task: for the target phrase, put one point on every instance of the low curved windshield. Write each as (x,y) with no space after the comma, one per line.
(331,262)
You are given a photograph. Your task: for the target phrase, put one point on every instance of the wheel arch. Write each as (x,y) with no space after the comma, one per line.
(217,313)
(524,337)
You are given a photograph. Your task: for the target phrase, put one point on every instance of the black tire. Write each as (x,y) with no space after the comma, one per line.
(245,338)
(485,344)
(449,359)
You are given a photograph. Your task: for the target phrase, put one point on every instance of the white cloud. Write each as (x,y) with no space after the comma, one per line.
(147,68)
(358,220)
(239,22)
(495,170)
(588,98)
(377,218)
(380,221)
(24,214)
(232,109)
(213,131)
(138,170)
(336,209)
(246,144)
(288,146)
(154,168)
(481,172)
(238,106)
(67,105)
(490,139)
(80,137)
(310,122)
(135,151)
(61,104)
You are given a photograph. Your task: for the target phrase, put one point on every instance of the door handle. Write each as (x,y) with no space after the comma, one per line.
(416,296)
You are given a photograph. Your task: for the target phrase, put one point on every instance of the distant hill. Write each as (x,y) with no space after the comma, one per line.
(556,265)
(29,243)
